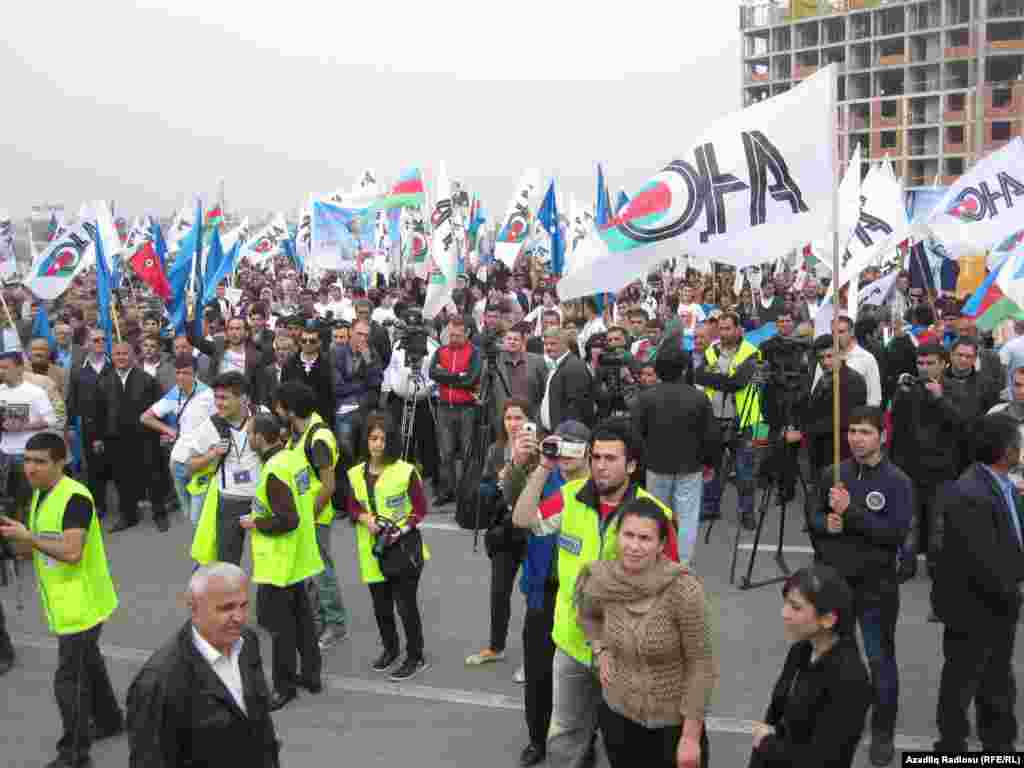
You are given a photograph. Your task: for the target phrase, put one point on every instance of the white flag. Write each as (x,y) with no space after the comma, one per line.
(985,206)
(877,292)
(882,224)
(443,253)
(515,229)
(239,234)
(61,262)
(181,225)
(759,181)
(267,241)
(8,257)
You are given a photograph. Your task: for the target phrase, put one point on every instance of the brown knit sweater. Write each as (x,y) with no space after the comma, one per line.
(664,666)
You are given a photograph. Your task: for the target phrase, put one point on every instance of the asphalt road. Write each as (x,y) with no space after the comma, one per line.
(449,715)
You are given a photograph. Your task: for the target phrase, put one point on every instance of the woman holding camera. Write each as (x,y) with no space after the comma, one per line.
(647,621)
(387,504)
(816,716)
(505,544)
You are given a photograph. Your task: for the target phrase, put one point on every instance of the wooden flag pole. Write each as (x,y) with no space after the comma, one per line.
(117,326)
(7,312)
(836,359)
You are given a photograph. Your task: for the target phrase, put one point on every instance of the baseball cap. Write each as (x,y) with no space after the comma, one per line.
(573,431)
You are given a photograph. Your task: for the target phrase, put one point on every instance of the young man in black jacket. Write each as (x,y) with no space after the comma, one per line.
(674,423)
(861,522)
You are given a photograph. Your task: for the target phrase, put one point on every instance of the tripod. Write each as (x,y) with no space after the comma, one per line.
(476,451)
(409,409)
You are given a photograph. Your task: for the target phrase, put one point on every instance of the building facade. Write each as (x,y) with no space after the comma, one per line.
(932,84)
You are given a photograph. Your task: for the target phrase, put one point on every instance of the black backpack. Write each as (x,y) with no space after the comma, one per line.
(342,487)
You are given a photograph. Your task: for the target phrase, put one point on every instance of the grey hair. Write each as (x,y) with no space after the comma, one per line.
(229,573)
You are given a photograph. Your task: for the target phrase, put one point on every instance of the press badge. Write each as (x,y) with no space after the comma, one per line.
(570,544)
(302,481)
(49,562)
(242,476)
(394,502)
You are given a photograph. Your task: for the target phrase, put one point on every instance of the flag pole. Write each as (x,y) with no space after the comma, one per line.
(7,312)
(113,315)
(836,360)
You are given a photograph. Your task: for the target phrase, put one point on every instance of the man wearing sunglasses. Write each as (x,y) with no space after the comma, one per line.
(312,366)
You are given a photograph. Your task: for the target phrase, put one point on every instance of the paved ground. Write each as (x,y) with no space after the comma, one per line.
(450,715)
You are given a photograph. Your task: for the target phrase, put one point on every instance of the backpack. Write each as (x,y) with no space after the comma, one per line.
(342,487)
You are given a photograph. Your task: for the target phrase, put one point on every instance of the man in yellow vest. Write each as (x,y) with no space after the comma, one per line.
(583,515)
(77,594)
(284,555)
(725,375)
(313,442)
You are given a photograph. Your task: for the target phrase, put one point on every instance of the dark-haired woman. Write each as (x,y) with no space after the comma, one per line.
(387,504)
(647,621)
(506,544)
(817,712)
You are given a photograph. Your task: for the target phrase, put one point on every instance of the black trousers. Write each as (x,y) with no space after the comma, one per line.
(84,693)
(400,592)
(6,648)
(629,744)
(287,614)
(504,567)
(124,455)
(978,666)
(538,656)
(231,535)
(97,472)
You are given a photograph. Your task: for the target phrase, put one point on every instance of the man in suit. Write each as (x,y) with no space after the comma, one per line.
(568,390)
(83,405)
(312,366)
(976,592)
(126,392)
(157,364)
(204,694)
(67,354)
(520,374)
(270,377)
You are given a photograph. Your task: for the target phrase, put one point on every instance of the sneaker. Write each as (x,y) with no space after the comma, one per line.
(747,521)
(520,675)
(409,669)
(882,749)
(486,656)
(331,636)
(385,661)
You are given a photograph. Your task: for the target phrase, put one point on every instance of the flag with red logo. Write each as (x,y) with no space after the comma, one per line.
(146,264)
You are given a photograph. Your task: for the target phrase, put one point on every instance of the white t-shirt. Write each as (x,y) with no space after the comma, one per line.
(232,361)
(25,401)
(241,465)
(186,414)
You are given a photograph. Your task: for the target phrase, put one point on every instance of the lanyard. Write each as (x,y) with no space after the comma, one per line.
(182,408)
(245,440)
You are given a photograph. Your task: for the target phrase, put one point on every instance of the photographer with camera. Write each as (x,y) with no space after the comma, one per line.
(727,376)
(359,372)
(456,367)
(614,383)
(926,431)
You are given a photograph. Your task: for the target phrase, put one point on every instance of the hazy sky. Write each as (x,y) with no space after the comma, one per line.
(146,106)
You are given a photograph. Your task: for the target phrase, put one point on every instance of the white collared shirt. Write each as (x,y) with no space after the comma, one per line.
(225,667)
(123,375)
(150,368)
(545,404)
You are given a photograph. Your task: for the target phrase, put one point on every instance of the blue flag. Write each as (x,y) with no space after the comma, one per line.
(225,268)
(41,328)
(206,281)
(288,245)
(104,292)
(159,244)
(622,202)
(548,218)
(603,208)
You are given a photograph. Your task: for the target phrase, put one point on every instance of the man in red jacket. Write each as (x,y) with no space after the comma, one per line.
(456,369)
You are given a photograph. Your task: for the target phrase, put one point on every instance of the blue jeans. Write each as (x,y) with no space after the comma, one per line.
(743,452)
(683,494)
(345,431)
(190,505)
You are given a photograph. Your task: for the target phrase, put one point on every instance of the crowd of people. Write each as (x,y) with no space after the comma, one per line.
(611,429)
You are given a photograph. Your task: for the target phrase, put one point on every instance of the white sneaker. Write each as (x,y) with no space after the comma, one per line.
(520,675)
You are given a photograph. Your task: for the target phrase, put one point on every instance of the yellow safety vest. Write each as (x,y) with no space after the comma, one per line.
(298,446)
(748,399)
(391,496)
(204,542)
(582,539)
(75,597)
(284,559)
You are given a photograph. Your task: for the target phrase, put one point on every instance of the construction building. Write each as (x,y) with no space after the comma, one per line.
(933,84)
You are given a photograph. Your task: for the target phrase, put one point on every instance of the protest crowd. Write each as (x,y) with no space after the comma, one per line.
(589,440)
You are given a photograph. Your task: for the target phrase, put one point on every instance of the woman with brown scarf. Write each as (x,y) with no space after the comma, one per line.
(647,621)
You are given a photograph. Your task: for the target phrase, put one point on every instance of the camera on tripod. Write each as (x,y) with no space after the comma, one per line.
(412,332)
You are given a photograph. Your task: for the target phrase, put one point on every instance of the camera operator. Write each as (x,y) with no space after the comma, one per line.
(926,431)
(456,367)
(859,525)
(726,375)
(413,344)
(971,392)
(359,372)
(613,379)
(674,423)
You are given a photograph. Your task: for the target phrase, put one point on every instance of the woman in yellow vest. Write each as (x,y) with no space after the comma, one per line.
(387,504)
(284,555)
(77,594)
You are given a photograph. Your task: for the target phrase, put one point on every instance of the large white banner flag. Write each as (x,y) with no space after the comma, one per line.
(982,208)
(66,256)
(882,225)
(267,241)
(515,229)
(758,182)
(443,252)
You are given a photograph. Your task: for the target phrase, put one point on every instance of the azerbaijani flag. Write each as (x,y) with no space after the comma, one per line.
(214,220)
(989,306)
(407,191)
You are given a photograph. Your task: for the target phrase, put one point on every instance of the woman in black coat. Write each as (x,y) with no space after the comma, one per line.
(817,712)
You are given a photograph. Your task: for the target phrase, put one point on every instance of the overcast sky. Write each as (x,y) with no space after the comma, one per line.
(143,105)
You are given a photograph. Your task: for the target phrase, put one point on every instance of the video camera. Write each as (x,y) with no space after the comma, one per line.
(411,330)
(555,447)
(907,381)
